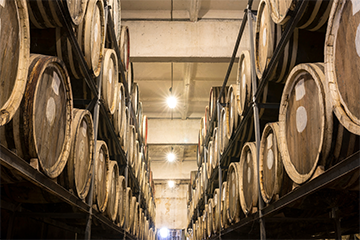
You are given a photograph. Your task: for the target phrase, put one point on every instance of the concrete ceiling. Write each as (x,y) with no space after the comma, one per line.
(186,44)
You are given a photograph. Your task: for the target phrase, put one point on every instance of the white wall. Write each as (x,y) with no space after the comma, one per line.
(171,211)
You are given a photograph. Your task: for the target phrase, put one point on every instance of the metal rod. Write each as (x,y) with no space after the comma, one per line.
(256,119)
(241,31)
(219,162)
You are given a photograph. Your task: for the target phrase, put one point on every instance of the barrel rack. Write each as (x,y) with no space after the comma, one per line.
(326,221)
(76,209)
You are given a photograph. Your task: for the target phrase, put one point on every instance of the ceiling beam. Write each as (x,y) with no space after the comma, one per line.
(190,72)
(171,41)
(195,6)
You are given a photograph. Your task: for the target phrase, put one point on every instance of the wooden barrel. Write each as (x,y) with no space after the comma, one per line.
(135,227)
(224,129)
(314,17)
(207,119)
(136,163)
(110,79)
(141,223)
(274,181)
(243,81)
(215,151)
(204,178)
(42,125)
(233,179)
(214,95)
(200,158)
(116,17)
(144,129)
(146,229)
(200,228)
(124,140)
(128,212)
(15,50)
(210,217)
(224,205)
(141,173)
(102,164)
(234,117)
(248,185)
(45,14)
(118,117)
(216,211)
(139,117)
(135,98)
(131,145)
(122,202)
(91,39)
(77,173)
(210,159)
(194,228)
(306,115)
(342,53)
(113,188)
(132,216)
(124,46)
(144,181)
(297,50)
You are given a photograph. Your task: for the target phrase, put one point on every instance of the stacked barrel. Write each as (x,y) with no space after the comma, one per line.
(47,106)
(315,83)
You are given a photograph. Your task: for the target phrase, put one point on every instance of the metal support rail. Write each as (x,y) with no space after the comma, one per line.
(10,160)
(331,176)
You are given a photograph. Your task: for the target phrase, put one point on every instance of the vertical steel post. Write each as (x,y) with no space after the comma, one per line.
(219,158)
(256,118)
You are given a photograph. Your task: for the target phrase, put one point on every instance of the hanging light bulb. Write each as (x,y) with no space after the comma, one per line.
(171,102)
(171,157)
(171,184)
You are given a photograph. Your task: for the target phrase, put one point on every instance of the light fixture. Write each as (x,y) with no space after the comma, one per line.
(171,157)
(164,232)
(171,184)
(171,102)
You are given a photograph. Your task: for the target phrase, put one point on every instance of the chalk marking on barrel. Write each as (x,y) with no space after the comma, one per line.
(270,159)
(243,81)
(249,174)
(110,75)
(301,119)
(355,6)
(55,83)
(269,141)
(264,37)
(84,128)
(300,90)
(101,158)
(357,40)
(233,190)
(81,150)
(96,32)
(50,110)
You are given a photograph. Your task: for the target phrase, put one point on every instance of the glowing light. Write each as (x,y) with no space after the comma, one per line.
(171,157)
(164,232)
(171,184)
(171,102)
